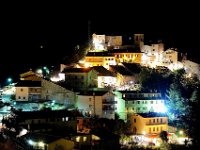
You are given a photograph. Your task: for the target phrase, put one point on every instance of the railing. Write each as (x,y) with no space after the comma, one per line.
(156,123)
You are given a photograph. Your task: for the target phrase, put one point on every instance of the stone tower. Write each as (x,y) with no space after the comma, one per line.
(139,40)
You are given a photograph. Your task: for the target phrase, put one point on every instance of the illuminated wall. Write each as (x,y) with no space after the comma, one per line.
(104,61)
(169,57)
(128,57)
(27,93)
(52,91)
(99,42)
(102,106)
(120,106)
(148,125)
(104,81)
(114,40)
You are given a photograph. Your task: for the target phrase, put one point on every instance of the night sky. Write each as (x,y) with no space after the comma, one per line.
(59,27)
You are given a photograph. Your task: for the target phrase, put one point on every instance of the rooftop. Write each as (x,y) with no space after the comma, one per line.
(102,71)
(152,114)
(76,70)
(99,54)
(122,70)
(28,83)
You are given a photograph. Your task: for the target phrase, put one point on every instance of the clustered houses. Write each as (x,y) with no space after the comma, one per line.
(109,65)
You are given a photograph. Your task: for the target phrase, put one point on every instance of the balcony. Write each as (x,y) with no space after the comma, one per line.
(156,123)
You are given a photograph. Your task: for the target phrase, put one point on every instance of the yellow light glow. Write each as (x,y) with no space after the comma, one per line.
(41,144)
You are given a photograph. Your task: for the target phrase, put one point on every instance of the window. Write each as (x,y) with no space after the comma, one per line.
(153,128)
(154,120)
(90,106)
(90,99)
(157,120)
(135,120)
(22,90)
(149,130)
(138,102)
(157,129)
(161,120)
(19,97)
(24,97)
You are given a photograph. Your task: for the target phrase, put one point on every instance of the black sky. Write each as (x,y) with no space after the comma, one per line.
(61,26)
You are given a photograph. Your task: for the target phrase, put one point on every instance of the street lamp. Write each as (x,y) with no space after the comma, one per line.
(9,81)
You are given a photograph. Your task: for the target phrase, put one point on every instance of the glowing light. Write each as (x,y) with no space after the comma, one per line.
(39,71)
(181,132)
(161,108)
(143,132)
(30,142)
(23,132)
(41,144)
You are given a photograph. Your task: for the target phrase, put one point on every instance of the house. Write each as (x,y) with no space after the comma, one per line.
(30,75)
(80,78)
(152,54)
(97,103)
(148,123)
(28,90)
(131,55)
(58,92)
(103,42)
(105,77)
(191,68)
(44,120)
(124,76)
(143,101)
(99,59)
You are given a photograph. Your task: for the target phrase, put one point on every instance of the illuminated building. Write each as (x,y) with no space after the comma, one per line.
(127,55)
(28,90)
(130,102)
(170,57)
(100,103)
(99,59)
(103,42)
(139,40)
(124,76)
(152,54)
(148,123)
(105,77)
(191,68)
(143,102)
(57,92)
(30,75)
(80,78)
